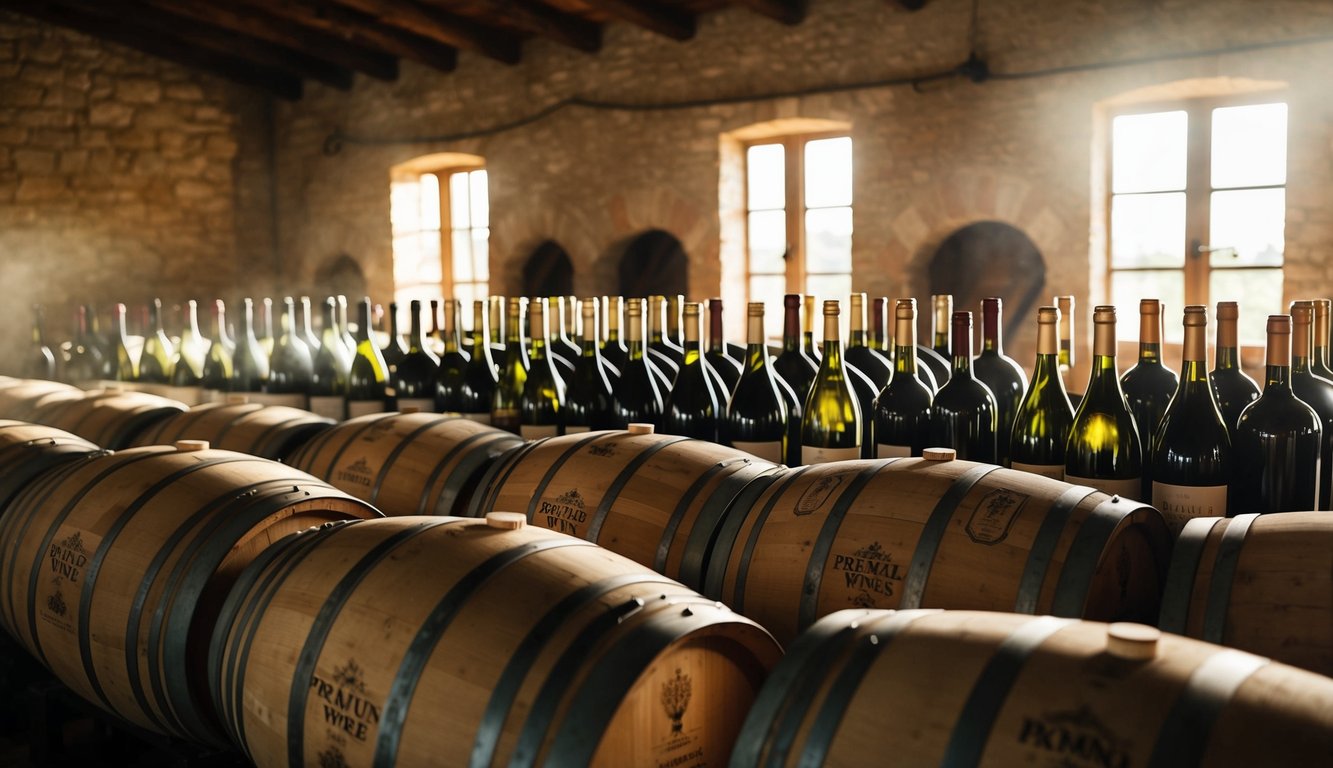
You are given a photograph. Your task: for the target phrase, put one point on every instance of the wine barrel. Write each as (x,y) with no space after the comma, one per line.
(453,641)
(111,418)
(113,569)
(19,399)
(406,463)
(272,432)
(656,499)
(1260,583)
(921,687)
(917,532)
(28,450)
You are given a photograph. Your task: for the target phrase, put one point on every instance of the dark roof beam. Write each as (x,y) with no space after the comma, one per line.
(655,17)
(438,25)
(543,20)
(785,11)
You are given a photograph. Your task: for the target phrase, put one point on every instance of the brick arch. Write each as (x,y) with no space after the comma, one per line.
(640,210)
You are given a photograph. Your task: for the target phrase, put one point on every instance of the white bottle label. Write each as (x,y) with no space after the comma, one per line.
(885,451)
(421,404)
(290,400)
(1053,471)
(814,455)
(1180,504)
(329,406)
(576,430)
(364,407)
(537,432)
(1128,489)
(480,418)
(769,450)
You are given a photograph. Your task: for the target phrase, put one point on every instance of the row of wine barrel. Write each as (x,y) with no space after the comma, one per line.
(170,586)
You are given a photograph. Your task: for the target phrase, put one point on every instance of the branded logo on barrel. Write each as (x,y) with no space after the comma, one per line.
(343,698)
(816,495)
(603,449)
(359,472)
(994,514)
(67,559)
(869,573)
(1075,739)
(565,513)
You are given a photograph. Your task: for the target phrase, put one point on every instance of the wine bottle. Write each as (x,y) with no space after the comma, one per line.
(1148,385)
(1276,446)
(1319,360)
(1191,452)
(903,408)
(1040,437)
(542,406)
(639,391)
(1066,333)
(328,382)
(291,367)
(497,306)
(85,357)
(964,415)
(368,376)
(470,393)
(721,363)
(345,331)
(675,334)
(663,353)
(590,396)
(507,401)
(1001,374)
(303,326)
(756,419)
(881,337)
(1232,388)
(1314,391)
(450,374)
(187,369)
(249,364)
(155,359)
(695,404)
(395,349)
(614,350)
(940,319)
(1104,450)
(435,338)
(103,343)
(793,365)
(41,362)
(264,326)
(859,353)
(831,427)
(809,347)
(414,378)
(562,346)
(216,380)
(127,367)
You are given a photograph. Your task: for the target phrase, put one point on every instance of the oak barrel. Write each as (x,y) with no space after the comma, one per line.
(406,463)
(656,499)
(28,450)
(272,431)
(113,569)
(19,399)
(965,688)
(109,417)
(916,532)
(1261,583)
(463,642)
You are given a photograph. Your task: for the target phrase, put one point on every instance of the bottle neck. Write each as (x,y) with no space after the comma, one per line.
(365,319)
(589,340)
(220,324)
(304,307)
(192,319)
(121,329)
(992,334)
(481,334)
(1300,342)
(832,348)
(715,341)
(154,318)
(791,325)
(80,325)
(393,322)
(38,331)
(962,349)
(1150,338)
(416,334)
(904,345)
(451,334)
(693,341)
(655,319)
(289,320)
(330,330)
(635,340)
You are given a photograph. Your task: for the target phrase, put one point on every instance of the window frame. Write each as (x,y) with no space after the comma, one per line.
(447,229)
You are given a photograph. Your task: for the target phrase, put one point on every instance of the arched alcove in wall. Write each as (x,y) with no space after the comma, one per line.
(548,271)
(990,258)
(654,262)
(341,275)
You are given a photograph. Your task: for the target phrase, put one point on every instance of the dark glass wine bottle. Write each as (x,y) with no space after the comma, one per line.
(216,380)
(940,329)
(809,347)
(1149,385)
(368,377)
(792,365)
(903,408)
(1104,450)
(1040,436)
(304,328)
(695,405)
(674,331)
(328,383)
(1191,452)
(345,331)
(104,343)
(470,393)
(85,357)
(859,353)
(542,406)
(1001,374)
(564,349)
(187,369)
(41,362)
(757,417)
(881,332)
(155,359)
(722,363)
(1276,446)
(1314,391)
(435,336)
(291,367)
(659,348)
(249,364)
(395,349)
(1319,360)
(964,415)
(507,400)
(1231,387)
(414,378)
(614,349)
(1068,356)
(498,307)
(451,373)
(639,392)
(590,396)
(264,325)
(831,428)
(127,368)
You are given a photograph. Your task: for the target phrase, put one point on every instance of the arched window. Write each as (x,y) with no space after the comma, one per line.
(440,211)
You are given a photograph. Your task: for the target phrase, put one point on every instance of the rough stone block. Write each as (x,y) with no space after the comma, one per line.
(111,114)
(139,91)
(41,189)
(35,161)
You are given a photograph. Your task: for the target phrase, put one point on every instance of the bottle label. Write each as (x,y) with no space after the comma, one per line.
(481,418)
(815,455)
(1053,471)
(768,450)
(885,451)
(1131,488)
(421,404)
(329,406)
(576,430)
(357,408)
(295,400)
(1180,504)
(538,431)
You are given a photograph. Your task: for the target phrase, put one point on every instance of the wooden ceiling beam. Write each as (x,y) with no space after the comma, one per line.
(280,32)
(279,82)
(785,11)
(662,19)
(545,21)
(439,25)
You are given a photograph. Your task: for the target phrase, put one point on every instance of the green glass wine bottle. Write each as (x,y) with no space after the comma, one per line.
(940,357)
(1068,355)
(542,404)
(396,348)
(41,361)
(1232,388)
(590,396)
(291,368)
(1312,390)
(757,417)
(831,428)
(328,382)
(1319,360)
(1001,374)
(1040,437)
(1104,450)
(1276,445)
(249,363)
(964,415)
(469,394)
(414,379)
(658,347)
(155,359)
(809,312)
(561,318)
(728,368)
(507,400)
(1191,451)
(639,392)
(859,353)
(614,349)
(903,407)
(450,375)
(696,403)
(881,332)
(1149,385)
(303,326)
(216,381)
(187,369)
(127,368)
(85,356)
(368,376)
(793,365)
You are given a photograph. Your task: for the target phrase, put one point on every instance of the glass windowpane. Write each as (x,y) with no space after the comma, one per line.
(1128,288)
(405,206)
(430,202)
(1249,146)
(481,253)
(1148,152)
(1259,292)
(828,240)
(765,177)
(770,290)
(768,241)
(828,172)
(459,211)
(462,255)
(480,198)
(1250,223)
(1148,230)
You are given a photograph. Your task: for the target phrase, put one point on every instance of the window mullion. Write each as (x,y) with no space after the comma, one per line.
(793,153)
(446,238)
(1198,183)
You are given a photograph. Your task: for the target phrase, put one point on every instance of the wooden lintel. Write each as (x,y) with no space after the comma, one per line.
(439,25)
(662,19)
(358,27)
(785,11)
